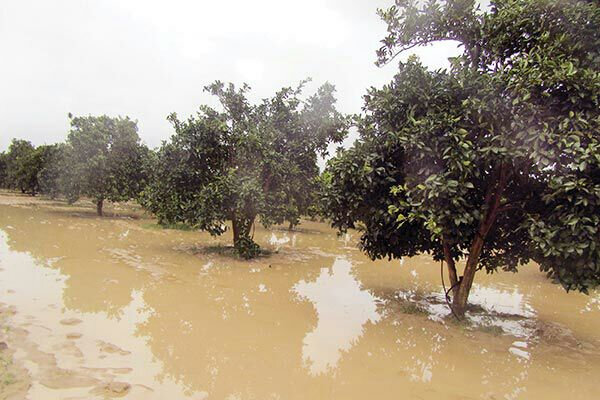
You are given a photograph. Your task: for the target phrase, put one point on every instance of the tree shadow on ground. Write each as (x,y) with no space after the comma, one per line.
(81,212)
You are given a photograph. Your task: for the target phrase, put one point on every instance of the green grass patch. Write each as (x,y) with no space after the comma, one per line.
(178,226)
(230,251)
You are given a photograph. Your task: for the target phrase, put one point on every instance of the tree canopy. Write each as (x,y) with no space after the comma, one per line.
(3,170)
(54,170)
(244,162)
(105,160)
(20,165)
(495,160)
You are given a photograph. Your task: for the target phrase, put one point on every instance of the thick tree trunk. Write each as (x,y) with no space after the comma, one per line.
(459,302)
(241,228)
(99,205)
(242,237)
(492,206)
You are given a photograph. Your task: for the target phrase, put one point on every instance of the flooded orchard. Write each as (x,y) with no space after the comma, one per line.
(114,307)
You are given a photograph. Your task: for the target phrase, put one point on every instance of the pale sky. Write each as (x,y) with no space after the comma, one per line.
(146,59)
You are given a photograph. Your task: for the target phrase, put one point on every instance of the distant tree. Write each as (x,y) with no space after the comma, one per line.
(54,170)
(32,165)
(495,161)
(104,160)
(19,160)
(244,162)
(3,170)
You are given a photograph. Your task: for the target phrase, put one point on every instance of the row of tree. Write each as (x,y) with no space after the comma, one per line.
(24,167)
(242,163)
(495,161)
(102,159)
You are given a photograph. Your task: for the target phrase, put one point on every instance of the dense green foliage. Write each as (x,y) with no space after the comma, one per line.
(496,160)
(3,170)
(53,172)
(31,169)
(20,165)
(244,162)
(104,160)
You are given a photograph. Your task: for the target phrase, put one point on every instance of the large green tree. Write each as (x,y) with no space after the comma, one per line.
(494,162)
(244,162)
(105,160)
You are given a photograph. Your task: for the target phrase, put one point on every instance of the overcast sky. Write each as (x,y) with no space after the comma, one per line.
(146,59)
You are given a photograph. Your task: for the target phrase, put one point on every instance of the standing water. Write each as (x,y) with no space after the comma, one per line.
(101,307)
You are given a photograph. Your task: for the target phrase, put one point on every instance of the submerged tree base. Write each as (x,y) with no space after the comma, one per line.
(247,248)
(233,252)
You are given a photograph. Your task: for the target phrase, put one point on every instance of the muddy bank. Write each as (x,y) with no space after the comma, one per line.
(30,371)
(14,378)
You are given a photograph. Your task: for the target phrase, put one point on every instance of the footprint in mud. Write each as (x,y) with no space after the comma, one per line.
(122,371)
(57,378)
(112,389)
(68,348)
(71,321)
(118,388)
(111,348)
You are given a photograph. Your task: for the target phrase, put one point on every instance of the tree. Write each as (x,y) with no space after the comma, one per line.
(105,160)
(244,162)
(20,159)
(22,165)
(3,170)
(495,161)
(31,167)
(54,170)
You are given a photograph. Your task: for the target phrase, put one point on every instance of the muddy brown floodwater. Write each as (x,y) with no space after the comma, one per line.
(113,307)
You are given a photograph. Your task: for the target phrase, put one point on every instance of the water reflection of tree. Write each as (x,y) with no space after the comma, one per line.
(226,337)
(220,333)
(94,283)
(342,307)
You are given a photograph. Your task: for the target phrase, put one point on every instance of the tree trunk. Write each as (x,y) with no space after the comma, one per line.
(461,295)
(492,206)
(236,231)
(241,228)
(99,205)
(451,268)
(242,238)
